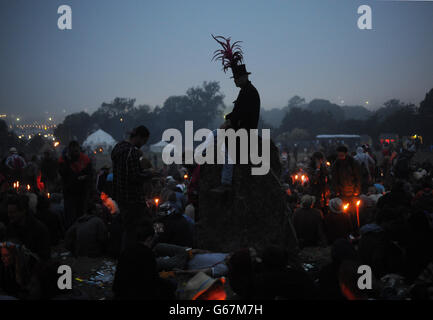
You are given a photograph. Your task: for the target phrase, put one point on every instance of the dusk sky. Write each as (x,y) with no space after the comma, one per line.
(150,50)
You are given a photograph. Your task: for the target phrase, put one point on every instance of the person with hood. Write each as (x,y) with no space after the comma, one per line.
(75,168)
(128,181)
(365,162)
(88,236)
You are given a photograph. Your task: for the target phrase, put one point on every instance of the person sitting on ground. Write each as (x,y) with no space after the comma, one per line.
(57,208)
(88,236)
(16,267)
(241,273)
(399,196)
(175,227)
(15,164)
(172,188)
(278,281)
(348,280)
(136,276)
(329,286)
(308,223)
(44,284)
(376,246)
(50,219)
(337,223)
(25,228)
(186,260)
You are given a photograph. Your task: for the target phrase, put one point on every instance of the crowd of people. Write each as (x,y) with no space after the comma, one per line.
(144,218)
(370,212)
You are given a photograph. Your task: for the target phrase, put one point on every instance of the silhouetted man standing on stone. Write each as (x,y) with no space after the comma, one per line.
(246,111)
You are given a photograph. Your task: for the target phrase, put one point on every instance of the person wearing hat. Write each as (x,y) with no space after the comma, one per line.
(246,111)
(337,223)
(16,164)
(204,287)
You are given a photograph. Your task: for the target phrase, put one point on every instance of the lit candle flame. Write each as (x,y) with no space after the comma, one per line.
(346,206)
(156,201)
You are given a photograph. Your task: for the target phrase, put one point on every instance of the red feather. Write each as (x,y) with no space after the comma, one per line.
(230,55)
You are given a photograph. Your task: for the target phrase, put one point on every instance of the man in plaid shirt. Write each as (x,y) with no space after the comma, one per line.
(128,179)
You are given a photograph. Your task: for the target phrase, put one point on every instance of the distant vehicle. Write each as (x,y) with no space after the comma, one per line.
(350,140)
(388,138)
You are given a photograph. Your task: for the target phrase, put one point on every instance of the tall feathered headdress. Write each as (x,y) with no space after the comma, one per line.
(230,55)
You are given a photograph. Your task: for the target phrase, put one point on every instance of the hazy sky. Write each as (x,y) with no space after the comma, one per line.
(150,50)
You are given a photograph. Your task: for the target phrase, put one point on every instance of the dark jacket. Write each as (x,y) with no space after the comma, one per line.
(285,284)
(53,223)
(33,234)
(346,178)
(70,171)
(87,237)
(379,252)
(246,111)
(308,223)
(318,181)
(337,225)
(136,276)
(49,167)
(177,230)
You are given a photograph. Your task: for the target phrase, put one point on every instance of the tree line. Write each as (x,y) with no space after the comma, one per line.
(205,106)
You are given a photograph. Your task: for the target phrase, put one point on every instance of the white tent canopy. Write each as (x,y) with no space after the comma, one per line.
(158,147)
(98,139)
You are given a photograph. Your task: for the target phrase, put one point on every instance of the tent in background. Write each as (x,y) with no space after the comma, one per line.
(158,147)
(99,140)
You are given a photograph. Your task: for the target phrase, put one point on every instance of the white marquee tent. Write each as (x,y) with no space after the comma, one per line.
(99,139)
(159,147)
